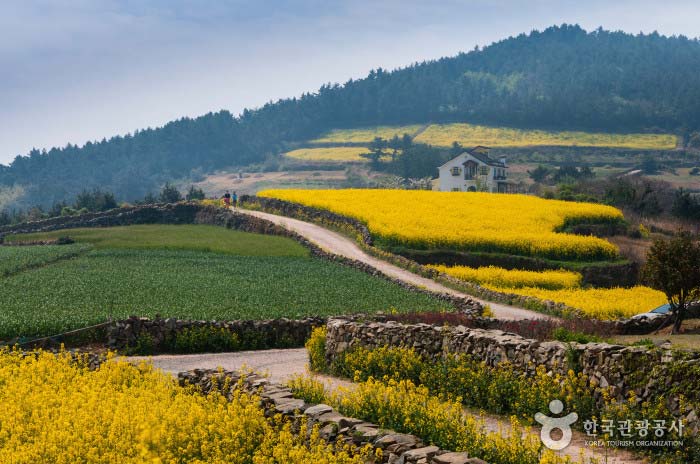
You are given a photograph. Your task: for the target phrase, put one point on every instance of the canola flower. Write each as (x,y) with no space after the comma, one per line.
(471,135)
(329,154)
(598,303)
(56,410)
(512,278)
(473,221)
(408,408)
(561,287)
(366,135)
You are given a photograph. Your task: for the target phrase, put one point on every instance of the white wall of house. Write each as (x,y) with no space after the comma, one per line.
(452,175)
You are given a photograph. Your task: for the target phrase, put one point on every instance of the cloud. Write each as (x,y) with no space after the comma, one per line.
(78,70)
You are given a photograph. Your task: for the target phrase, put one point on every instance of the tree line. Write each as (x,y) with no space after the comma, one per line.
(561,78)
(96,200)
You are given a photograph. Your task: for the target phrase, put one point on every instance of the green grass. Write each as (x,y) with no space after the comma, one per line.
(17,259)
(191,284)
(177,237)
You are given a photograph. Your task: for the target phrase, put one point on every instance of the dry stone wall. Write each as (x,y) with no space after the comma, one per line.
(644,370)
(333,426)
(272,333)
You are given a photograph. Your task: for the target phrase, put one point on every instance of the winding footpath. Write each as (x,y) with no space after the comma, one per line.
(282,364)
(338,244)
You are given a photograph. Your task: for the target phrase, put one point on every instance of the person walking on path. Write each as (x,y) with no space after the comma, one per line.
(227,199)
(234,200)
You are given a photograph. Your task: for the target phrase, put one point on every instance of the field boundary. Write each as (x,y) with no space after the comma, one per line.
(359,232)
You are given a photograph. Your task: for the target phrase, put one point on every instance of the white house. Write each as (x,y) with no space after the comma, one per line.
(474,170)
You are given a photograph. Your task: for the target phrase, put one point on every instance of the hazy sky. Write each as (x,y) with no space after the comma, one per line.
(78,70)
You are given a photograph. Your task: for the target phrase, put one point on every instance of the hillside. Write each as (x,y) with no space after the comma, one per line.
(561,78)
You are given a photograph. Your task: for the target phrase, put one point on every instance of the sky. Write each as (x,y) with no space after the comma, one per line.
(78,70)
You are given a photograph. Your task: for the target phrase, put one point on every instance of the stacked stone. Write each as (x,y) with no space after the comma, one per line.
(616,366)
(397,448)
(292,331)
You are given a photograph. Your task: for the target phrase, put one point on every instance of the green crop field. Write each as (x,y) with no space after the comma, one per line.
(17,259)
(470,135)
(180,237)
(130,280)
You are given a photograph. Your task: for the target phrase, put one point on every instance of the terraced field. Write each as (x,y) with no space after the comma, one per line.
(475,221)
(344,154)
(366,135)
(167,270)
(517,225)
(473,134)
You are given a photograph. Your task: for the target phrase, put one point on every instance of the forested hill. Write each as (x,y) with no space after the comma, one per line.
(563,77)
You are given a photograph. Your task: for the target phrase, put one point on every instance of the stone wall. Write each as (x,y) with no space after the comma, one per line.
(333,426)
(271,333)
(644,370)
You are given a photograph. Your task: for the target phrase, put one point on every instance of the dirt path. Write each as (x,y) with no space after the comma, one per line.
(280,365)
(338,244)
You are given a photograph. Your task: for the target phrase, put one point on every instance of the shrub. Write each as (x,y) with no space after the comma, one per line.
(202,340)
(565,335)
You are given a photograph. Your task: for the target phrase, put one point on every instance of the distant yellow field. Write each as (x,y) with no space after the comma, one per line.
(366,135)
(512,278)
(470,135)
(329,154)
(562,286)
(598,303)
(474,221)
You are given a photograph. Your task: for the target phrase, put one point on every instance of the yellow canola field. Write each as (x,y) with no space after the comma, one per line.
(598,303)
(471,135)
(54,410)
(366,135)
(329,154)
(512,278)
(473,221)
(561,286)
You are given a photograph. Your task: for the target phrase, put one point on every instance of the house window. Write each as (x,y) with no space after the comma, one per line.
(456,171)
(470,170)
(455,189)
(484,170)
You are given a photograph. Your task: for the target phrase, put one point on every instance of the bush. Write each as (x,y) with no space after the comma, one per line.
(202,340)
(316,347)
(565,335)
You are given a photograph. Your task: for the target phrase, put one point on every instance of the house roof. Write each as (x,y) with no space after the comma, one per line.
(486,159)
(483,157)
